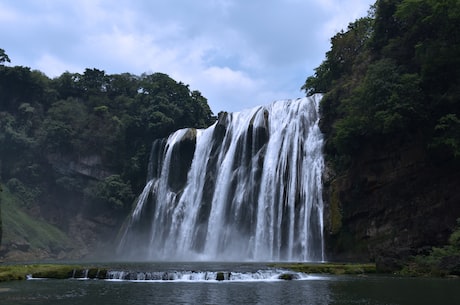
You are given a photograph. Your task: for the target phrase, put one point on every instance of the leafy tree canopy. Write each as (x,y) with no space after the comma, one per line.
(3,57)
(393,74)
(115,117)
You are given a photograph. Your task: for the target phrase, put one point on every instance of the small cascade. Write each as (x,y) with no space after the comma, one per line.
(246,188)
(204,276)
(268,274)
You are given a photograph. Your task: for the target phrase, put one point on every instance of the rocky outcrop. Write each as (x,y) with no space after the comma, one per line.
(181,159)
(89,166)
(393,202)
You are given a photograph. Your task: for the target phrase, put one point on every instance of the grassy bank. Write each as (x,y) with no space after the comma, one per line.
(329,268)
(23,233)
(51,271)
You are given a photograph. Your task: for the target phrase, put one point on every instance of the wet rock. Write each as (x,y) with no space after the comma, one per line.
(288,276)
(222,276)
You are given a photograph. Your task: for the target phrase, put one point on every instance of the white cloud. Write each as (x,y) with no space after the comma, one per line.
(237,53)
(54,66)
(226,77)
(344,12)
(7,14)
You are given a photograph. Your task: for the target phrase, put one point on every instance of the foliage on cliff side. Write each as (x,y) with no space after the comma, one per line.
(393,74)
(441,261)
(24,233)
(81,142)
(391,119)
(115,117)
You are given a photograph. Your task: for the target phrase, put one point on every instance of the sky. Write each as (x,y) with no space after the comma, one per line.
(238,53)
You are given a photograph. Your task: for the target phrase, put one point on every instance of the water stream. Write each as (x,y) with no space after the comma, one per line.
(246,188)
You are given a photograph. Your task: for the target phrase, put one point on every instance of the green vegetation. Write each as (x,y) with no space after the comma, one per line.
(3,57)
(391,81)
(220,276)
(20,272)
(440,261)
(336,215)
(24,232)
(114,117)
(111,191)
(49,271)
(80,143)
(394,74)
(329,268)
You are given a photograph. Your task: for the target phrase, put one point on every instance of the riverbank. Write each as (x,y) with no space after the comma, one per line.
(12,272)
(328,268)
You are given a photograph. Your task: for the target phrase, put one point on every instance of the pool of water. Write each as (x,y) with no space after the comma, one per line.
(307,289)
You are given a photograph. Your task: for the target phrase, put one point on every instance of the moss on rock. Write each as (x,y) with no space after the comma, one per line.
(329,268)
(336,214)
(220,276)
(50,271)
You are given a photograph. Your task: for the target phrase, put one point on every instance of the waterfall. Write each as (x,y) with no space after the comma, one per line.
(246,188)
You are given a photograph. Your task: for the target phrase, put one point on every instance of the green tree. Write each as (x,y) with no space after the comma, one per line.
(347,49)
(68,85)
(386,103)
(64,127)
(393,73)
(3,57)
(46,123)
(447,134)
(113,192)
(126,85)
(94,81)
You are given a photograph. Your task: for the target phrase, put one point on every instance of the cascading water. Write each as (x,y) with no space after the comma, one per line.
(246,188)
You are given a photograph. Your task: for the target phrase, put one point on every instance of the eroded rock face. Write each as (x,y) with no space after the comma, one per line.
(394,202)
(88,166)
(182,156)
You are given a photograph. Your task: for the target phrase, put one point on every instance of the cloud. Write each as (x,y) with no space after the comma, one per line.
(7,14)
(54,66)
(225,76)
(341,14)
(237,53)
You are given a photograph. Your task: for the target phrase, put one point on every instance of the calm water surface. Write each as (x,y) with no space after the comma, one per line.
(367,290)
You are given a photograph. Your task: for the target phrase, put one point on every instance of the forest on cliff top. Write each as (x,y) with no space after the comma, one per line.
(81,142)
(114,117)
(394,73)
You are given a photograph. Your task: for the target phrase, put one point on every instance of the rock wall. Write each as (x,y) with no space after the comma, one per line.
(88,226)
(393,202)
(1,226)
(90,166)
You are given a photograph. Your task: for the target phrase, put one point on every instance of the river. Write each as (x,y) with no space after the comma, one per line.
(249,284)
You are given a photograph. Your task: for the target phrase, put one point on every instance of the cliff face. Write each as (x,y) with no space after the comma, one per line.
(88,166)
(1,226)
(62,223)
(392,202)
